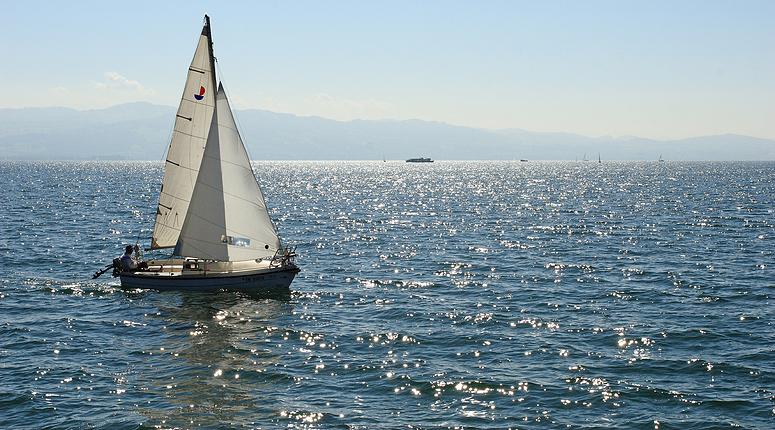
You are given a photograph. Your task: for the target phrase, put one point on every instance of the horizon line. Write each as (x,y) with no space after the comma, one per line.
(431,121)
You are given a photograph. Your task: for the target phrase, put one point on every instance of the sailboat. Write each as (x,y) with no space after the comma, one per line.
(211,209)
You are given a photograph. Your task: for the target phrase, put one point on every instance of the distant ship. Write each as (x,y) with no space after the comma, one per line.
(419,160)
(523,160)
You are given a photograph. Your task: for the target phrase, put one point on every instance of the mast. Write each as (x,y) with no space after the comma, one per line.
(206,32)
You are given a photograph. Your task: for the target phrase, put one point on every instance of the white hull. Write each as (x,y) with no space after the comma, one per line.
(264,280)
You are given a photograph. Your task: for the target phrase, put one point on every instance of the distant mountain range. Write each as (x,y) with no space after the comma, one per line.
(141,131)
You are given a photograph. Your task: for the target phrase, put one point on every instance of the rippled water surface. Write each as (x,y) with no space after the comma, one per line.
(452,294)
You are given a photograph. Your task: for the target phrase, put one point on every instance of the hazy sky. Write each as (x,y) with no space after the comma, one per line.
(660,69)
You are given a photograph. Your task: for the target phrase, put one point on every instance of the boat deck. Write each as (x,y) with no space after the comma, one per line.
(179,267)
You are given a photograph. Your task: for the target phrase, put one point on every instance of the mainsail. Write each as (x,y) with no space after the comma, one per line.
(192,125)
(227,219)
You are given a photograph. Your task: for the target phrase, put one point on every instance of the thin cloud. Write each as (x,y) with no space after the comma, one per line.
(117,81)
(60,91)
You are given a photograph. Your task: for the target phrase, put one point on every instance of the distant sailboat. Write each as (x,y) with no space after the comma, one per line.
(660,159)
(211,209)
(598,158)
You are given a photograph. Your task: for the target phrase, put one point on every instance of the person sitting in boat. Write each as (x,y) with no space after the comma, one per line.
(128,263)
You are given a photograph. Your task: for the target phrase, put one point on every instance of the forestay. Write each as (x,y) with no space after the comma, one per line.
(184,156)
(227,218)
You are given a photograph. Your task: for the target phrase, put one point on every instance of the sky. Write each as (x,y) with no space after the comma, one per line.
(656,69)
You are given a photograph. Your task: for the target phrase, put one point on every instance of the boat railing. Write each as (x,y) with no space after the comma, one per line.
(284,256)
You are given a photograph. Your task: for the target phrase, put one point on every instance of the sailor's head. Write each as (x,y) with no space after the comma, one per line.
(128,249)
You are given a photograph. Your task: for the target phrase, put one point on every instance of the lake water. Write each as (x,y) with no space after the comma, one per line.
(452,294)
